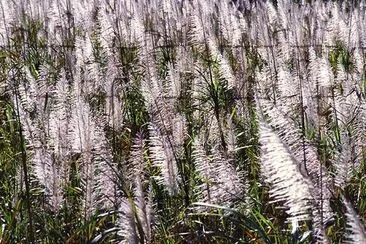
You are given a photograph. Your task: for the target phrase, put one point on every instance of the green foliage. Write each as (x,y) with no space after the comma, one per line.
(206,96)
(13,214)
(134,108)
(341,55)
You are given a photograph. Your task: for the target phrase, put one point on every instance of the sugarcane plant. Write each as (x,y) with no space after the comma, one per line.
(182,121)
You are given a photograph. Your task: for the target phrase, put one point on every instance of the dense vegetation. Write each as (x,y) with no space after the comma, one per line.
(182,121)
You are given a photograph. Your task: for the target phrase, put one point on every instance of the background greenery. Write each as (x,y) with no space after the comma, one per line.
(182,122)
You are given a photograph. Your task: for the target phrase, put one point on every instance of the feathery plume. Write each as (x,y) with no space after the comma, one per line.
(162,156)
(281,171)
(220,181)
(354,225)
